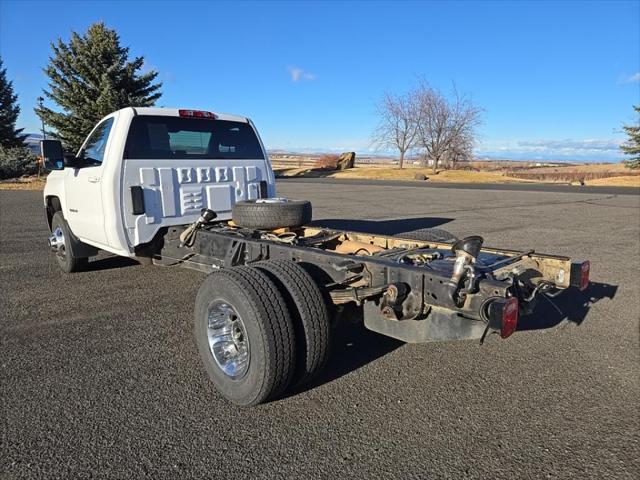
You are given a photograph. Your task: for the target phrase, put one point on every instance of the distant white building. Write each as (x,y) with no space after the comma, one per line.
(428,163)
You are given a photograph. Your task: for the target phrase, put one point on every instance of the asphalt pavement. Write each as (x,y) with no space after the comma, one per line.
(100,377)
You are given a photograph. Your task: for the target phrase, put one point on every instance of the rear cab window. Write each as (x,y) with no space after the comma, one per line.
(164,137)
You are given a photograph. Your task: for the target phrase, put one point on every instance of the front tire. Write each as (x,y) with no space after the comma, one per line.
(60,242)
(244,335)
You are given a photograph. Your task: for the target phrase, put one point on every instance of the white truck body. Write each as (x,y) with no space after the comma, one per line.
(96,199)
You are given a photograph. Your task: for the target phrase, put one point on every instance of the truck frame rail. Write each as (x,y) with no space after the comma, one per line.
(415,291)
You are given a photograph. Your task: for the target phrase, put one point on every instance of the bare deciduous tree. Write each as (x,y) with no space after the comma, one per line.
(445,129)
(397,127)
(461,151)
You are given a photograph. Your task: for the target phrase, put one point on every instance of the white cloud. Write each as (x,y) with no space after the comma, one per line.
(298,74)
(629,78)
(578,150)
(588,145)
(359,145)
(566,149)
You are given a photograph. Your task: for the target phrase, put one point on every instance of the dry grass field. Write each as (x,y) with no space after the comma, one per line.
(621,181)
(604,174)
(23,183)
(590,174)
(395,173)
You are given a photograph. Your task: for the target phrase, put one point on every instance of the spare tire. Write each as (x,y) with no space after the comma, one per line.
(271,213)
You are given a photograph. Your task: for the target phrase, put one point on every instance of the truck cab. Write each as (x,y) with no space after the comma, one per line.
(143,169)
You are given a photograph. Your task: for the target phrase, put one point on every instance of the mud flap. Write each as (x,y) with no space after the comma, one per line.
(78,248)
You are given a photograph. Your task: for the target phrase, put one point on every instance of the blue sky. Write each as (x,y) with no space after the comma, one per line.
(557,79)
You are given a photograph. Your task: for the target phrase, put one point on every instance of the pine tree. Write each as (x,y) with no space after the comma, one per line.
(90,77)
(632,145)
(9,111)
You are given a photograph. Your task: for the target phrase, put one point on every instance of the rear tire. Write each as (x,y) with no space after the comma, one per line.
(269,214)
(429,235)
(309,313)
(265,327)
(66,259)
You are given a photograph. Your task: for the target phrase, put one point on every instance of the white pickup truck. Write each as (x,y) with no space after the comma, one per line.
(180,163)
(195,189)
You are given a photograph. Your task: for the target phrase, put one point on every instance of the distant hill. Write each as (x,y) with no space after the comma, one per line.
(33,142)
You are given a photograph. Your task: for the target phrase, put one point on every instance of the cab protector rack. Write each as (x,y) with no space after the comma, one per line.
(411,290)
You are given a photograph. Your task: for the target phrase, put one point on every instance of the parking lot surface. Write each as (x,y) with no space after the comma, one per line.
(100,376)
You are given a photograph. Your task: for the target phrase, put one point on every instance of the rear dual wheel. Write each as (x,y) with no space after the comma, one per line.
(309,315)
(259,330)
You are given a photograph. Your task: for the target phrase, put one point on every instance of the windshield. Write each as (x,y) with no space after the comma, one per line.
(160,137)
(96,144)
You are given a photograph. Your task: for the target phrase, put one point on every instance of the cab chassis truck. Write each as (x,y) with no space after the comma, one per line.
(195,189)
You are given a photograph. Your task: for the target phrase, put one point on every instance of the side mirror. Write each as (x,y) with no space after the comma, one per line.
(71,161)
(51,151)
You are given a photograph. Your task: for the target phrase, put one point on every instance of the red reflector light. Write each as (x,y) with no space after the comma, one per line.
(510,313)
(580,271)
(584,275)
(197,114)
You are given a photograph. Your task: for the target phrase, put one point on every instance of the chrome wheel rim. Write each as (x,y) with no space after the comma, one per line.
(228,342)
(57,242)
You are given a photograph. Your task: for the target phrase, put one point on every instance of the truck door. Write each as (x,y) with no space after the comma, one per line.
(83,190)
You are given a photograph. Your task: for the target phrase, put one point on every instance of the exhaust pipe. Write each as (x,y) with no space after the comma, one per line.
(466,251)
(187,237)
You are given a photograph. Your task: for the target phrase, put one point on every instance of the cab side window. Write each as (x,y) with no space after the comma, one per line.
(96,144)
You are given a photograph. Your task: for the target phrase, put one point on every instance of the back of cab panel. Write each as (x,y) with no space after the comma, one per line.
(186,164)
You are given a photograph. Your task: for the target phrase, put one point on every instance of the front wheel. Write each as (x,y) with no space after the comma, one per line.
(60,243)
(244,335)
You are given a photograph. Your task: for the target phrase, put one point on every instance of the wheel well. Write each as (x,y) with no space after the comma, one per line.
(52,206)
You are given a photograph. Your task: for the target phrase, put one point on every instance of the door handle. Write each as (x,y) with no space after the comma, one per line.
(94,179)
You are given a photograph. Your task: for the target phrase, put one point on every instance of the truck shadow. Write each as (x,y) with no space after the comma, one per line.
(352,347)
(381,227)
(571,306)
(109,263)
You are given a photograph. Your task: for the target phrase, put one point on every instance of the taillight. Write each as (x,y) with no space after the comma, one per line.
(503,315)
(584,275)
(509,317)
(197,114)
(580,274)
